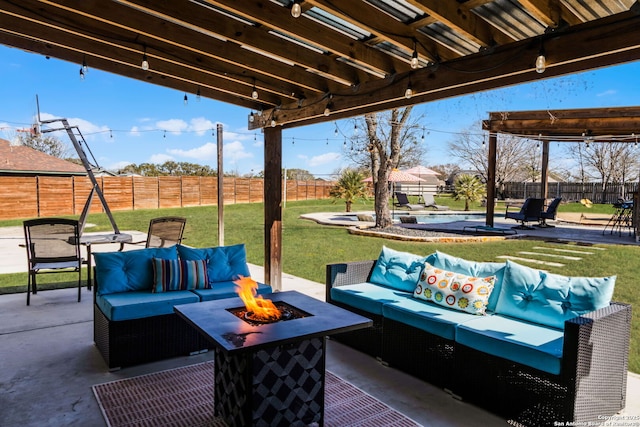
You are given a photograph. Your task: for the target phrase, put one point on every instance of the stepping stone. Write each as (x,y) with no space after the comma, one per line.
(571,251)
(533,261)
(567,257)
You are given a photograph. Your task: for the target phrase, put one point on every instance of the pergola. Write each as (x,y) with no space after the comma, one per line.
(597,125)
(294,63)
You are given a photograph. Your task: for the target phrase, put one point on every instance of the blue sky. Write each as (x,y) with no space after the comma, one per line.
(129,121)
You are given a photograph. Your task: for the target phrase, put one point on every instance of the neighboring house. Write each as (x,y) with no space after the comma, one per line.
(18,160)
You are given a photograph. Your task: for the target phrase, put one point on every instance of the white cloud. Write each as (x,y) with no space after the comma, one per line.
(118,165)
(135,131)
(608,92)
(201,126)
(324,159)
(160,158)
(204,152)
(235,151)
(175,126)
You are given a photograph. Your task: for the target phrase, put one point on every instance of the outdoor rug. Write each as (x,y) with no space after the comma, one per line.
(184,397)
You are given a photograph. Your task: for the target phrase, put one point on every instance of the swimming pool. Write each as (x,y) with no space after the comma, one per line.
(442,218)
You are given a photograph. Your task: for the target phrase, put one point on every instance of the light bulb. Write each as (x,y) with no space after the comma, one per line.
(186,100)
(251,117)
(145,63)
(408,93)
(415,62)
(254,93)
(273,123)
(541,64)
(81,74)
(85,67)
(296,10)
(327,111)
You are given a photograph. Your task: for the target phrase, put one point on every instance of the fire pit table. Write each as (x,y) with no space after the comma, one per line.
(270,374)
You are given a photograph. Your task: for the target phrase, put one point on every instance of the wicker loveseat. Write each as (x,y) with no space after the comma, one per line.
(540,349)
(136,291)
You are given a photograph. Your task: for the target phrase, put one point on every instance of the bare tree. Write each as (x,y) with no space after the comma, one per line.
(612,161)
(387,139)
(48,144)
(511,155)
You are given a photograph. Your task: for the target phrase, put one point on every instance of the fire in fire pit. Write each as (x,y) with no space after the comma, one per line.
(258,310)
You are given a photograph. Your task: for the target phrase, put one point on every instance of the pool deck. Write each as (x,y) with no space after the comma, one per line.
(567,228)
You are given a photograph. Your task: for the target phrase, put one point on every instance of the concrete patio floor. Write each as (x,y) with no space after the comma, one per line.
(48,363)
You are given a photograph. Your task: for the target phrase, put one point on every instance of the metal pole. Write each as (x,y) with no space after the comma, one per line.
(220,187)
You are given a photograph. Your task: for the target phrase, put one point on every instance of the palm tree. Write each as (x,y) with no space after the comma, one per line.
(469,188)
(350,186)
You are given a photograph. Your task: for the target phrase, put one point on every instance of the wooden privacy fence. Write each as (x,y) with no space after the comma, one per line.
(44,196)
(571,191)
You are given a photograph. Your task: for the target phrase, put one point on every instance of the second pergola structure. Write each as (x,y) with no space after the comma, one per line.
(597,125)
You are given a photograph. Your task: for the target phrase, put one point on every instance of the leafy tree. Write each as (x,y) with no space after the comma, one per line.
(468,188)
(350,186)
(299,175)
(47,144)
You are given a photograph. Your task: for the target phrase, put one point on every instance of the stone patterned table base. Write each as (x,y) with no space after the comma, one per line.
(282,385)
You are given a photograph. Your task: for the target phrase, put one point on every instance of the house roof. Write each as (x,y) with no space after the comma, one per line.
(331,59)
(25,160)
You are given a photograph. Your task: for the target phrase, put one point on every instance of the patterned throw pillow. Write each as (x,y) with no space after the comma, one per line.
(179,275)
(449,289)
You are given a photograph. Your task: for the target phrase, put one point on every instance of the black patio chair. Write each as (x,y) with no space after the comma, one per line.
(550,213)
(53,246)
(403,202)
(529,212)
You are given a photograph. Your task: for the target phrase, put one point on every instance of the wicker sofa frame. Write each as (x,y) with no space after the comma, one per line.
(591,384)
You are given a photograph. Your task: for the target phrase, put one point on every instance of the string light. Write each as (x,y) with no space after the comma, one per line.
(541,61)
(415,60)
(327,109)
(85,67)
(254,92)
(186,99)
(409,92)
(81,74)
(198,96)
(251,117)
(296,9)
(145,64)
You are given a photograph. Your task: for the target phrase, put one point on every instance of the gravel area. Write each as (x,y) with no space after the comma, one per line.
(413,232)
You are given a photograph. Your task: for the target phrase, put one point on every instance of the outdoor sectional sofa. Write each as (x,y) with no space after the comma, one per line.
(539,349)
(135,292)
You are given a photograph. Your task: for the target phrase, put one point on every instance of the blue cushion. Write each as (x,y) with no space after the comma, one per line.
(550,299)
(529,344)
(225,263)
(139,304)
(226,290)
(398,270)
(429,317)
(128,271)
(179,275)
(474,269)
(366,296)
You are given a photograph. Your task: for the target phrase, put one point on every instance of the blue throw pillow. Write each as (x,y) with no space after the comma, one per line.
(179,275)
(224,263)
(398,270)
(550,299)
(130,270)
(475,269)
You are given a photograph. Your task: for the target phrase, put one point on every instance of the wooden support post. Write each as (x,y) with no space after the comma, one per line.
(273,207)
(544,177)
(220,186)
(491,178)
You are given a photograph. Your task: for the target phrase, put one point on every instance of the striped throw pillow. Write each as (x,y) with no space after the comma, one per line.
(179,275)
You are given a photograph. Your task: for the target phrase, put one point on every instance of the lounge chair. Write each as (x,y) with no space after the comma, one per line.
(529,211)
(403,202)
(550,213)
(430,202)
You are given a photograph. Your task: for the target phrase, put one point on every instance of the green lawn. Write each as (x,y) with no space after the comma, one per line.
(307,247)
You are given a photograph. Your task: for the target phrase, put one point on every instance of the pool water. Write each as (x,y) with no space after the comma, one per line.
(442,218)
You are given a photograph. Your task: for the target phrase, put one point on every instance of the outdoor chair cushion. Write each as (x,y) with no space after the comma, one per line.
(225,263)
(179,275)
(550,299)
(454,290)
(426,316)
(130,270)
(398,270)
(226,289)
(475,269)
(367,296)
(523,342)
(140,304)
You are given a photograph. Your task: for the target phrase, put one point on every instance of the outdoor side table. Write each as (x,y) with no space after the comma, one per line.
(88,240)
(270,374)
